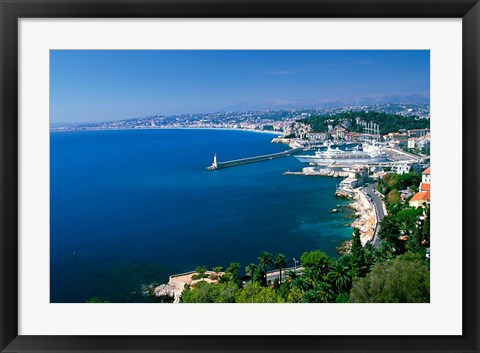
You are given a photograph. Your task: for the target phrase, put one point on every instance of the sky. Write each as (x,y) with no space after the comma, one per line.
(101,85)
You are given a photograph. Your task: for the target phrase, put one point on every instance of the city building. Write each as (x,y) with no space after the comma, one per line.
(422,197)
(401,168)
(418,132)
(412,142)
(418,167)
(339,133)
(426,176)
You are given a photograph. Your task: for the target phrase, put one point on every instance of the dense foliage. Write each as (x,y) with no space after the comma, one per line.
(393,181)
(387,122)
(403,280)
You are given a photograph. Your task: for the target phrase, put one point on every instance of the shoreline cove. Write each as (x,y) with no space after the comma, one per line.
(318,230)
(277,133)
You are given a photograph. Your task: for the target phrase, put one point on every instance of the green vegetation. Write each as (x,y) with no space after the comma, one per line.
(393,181)
(280,263)
(205,292)
(200,273)
(388,122)
(404,280)
(363,275)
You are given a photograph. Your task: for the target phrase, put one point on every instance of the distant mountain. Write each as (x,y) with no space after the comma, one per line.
(279,104)
(398,99)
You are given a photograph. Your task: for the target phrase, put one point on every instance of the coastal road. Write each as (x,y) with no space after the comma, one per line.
(272,275)
(378,204)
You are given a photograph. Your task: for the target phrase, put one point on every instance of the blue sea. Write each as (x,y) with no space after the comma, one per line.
(132,207)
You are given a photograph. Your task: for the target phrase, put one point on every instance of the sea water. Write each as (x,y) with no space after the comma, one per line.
(132,207)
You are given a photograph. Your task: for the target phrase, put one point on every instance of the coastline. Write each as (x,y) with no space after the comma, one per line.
(277,133)
(367,218)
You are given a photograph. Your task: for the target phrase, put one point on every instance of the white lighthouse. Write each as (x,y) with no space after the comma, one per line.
(214,164)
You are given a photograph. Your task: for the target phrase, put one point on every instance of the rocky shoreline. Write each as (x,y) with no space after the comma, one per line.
(366,219)
(177,283)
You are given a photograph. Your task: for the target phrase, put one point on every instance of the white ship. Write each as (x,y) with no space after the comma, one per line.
(371,153)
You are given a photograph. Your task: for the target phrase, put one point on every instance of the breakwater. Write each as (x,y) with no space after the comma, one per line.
(220,165)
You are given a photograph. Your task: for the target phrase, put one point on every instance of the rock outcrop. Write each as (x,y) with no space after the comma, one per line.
(168,290)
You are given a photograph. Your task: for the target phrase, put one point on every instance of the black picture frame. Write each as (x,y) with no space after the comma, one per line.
(11,11)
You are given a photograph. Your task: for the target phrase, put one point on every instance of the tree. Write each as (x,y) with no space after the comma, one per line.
(280,263)
(200,273)
(408,219)
(405,280)
(232,273)
(414,242)
(371,255)
(295,295)
(426,228)
(205,292)
(358,255)
(390,234)
(303,283)
(217,271)
(317,259)
(265,261)
(340,277)
(254,293)
(409,179)
(250,270)
(390,181)
(291,275)
(393,197)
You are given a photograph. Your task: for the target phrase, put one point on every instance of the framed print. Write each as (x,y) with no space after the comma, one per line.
(239,176)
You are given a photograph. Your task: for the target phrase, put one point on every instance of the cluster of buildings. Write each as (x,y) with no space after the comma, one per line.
(422,197)
(357,176)
(413,139)
(421,110)
(403,167)
(418,139)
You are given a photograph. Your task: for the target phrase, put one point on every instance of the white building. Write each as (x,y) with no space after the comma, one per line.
(418,132)
(401,168)
(423,143)
(426,176)
(412,142)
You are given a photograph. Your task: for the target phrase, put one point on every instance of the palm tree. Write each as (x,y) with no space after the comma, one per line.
(312,275)
(302,283)
(250,270)
(340,277)
(265,261)
(280,262)
(292,275)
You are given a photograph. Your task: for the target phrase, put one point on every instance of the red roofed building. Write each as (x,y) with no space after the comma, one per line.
(426,175)
(425,180)
(425,187)
(423,196)
(420,198)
